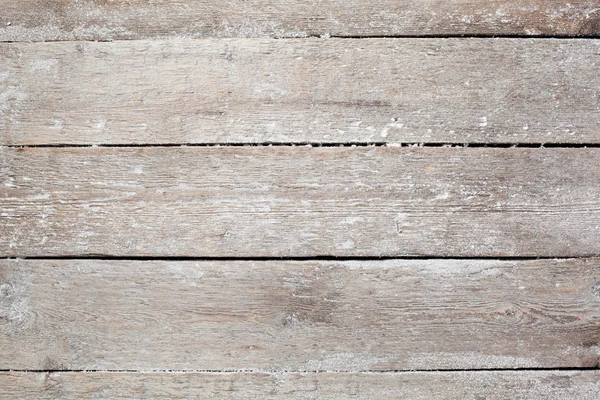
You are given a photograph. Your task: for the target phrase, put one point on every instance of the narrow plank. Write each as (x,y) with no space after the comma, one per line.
(524,385)
(299,315)
(300,201)
(107,20)
(330,91)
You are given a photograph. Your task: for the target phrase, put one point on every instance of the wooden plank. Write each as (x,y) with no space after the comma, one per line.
(320,91)
(107,20)
(116,315)
(299,201)
(524,385)
(299,315)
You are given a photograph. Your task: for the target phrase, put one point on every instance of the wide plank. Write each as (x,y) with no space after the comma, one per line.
(300,91)
(285,201)
(45,20)
(299,315)
(523,385)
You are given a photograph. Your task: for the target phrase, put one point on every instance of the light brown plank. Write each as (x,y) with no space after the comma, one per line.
(332,91)
(299,201)
(299,316)
(524,385)
(107,20)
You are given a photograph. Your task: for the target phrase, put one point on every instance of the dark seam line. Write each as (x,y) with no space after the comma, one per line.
(317,144)
(108,257)
(468,36)
(397,371)
(455,36)
(326,36)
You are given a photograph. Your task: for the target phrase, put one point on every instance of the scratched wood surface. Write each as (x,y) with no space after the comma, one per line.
(300,201)
(108,19)
(302,90)
(299,315)
(494,385)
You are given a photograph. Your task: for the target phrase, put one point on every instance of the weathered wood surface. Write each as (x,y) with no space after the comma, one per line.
(336,90)
(523,385)
(299,315)
(299,201)
(108,20)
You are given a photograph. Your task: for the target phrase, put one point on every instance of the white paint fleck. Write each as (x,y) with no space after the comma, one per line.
(186,273)
(392,125)
(44,196)
(351,220)
(57,125)
(43,65)
(185,186)
(345,361)
(401,222)
(348,244)
(99,124)
(10,182)
(483,122)
(442,196)
(470,360)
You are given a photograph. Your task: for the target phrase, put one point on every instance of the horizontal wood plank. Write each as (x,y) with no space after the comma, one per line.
(299,201)
(524,385)
(298,91)
(299,315)
(44,20)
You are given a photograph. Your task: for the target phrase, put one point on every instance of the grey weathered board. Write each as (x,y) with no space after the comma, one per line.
(308,90)
(109,19)
(299,315)
(522,385)
(300,201)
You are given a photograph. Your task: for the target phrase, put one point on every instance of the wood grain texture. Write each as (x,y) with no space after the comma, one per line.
(320,91)
(299,315)
(524,385)
(299,201)
(107,20)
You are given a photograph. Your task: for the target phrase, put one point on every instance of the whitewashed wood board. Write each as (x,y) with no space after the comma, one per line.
(44,20)
(299,315)
(493,385)
(297,91)
(299,202)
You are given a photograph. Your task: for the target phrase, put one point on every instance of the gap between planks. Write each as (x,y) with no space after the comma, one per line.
(303,371)
(109,257)
(314,144)
(327,36)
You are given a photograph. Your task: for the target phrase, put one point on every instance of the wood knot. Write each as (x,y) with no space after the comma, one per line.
(14,307)
(51,383)
(6,290)
(291,320)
